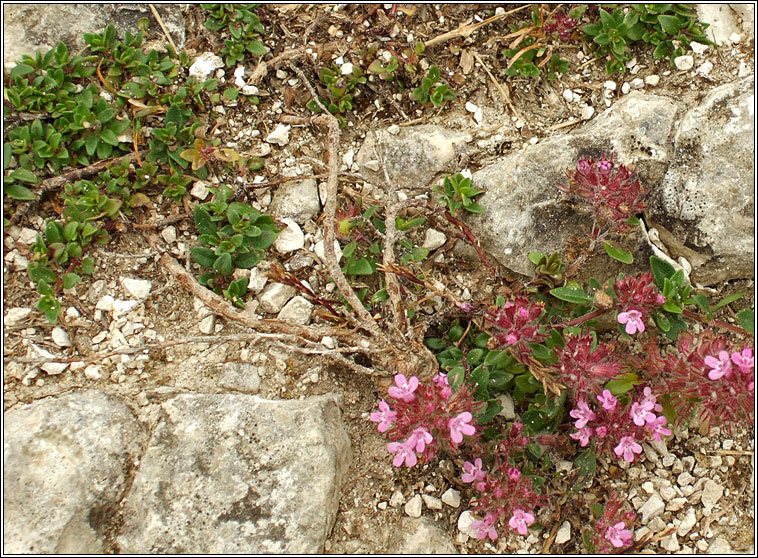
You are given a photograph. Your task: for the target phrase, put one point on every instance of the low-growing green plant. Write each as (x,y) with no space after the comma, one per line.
(429,90)
(340,89)
(388,72)
(670,27)
(244,29)
(457,192)
(233,235)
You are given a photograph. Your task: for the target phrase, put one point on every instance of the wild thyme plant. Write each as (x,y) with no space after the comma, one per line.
(544,336)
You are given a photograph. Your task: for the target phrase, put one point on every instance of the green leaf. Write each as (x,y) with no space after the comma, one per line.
(88,266)
(25,175)
(19,192)
(661,270)
(534,420)
(492,409)
(728,300)
(571,294)
(70,279)
(672,307)
(203,256)
(349,249)
(435,343)
(248,260)
(747,320)
(663,322)
(622,384)
(360,267)
(617,253)
(586,465)
(702,301)
(223,264)
(203,221)
(670,24)
(108,137)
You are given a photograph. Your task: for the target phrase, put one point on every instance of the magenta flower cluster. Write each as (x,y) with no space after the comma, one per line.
(618,428)
(709,372)
(612,531)
(425,418)
(506,497)
(613,192)
(582,368)
(637,295)
(563,26)
(517,326)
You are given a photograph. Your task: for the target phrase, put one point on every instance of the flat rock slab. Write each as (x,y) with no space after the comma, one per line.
(65,464)
(31,27)
(238,474)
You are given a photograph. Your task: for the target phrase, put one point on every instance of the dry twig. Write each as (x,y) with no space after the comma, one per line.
(465,29)
(163,27)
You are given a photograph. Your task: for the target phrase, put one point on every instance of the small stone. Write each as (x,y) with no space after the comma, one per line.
(346,68)
(652,508)
(297,311)
(464,523)
(204,65)
(280,135)
(656,525)
(625,88)
(72,313)
(27,236)
(16,315)
(652,80)
(208,324)
(93,372)
(698,48)
(105,303)
(687,523)
(169,235)
(434,239)
(743,70)
(638,83)
(121,307)
(610,85)
(684,62)
(54,368)
(241,376)
(138,288)
(320,251)
(587,112)
(684,479)
(452,498)
(373,165)
(397,499)
(735,38)
(568,95)
(668,460)
(256,280)
(290,239)
(275,296)
(689,462)
(648,487)
(141,399)
(431,502)
(60,337)
(199,190)
(413,507)
(394,129)
(705,68)
(712,492)
(667,493)
(727,444)
(564,533)
(508,411)
(719,545)
(349,158)
(670,543)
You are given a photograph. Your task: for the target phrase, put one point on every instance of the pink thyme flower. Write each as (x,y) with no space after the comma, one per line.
(628,447)
(459,426)
(605,165)
(385,416)
(648,395)
(638,292)
(583,414)
(633,320)
(719,367)
(601,431)
(607,399)
(658,427)
(521,520)
(442,383)
(619,535)
(419,439)
(744,360)
(485,527)
(517,325)
(472,471)
(583,435)
(640,412)
(514,474)
(405,388)
(404,453)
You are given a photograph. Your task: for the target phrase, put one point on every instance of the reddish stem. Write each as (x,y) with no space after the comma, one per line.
(472,239)
(717,323)
(585,318)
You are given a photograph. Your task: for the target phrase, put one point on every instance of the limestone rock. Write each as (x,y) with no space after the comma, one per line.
(31,27)
(289,239)
(297,311)
(280,135)
(66,462)
(413,507)
(205,65)
(14,316)
(137,288)
(421,537)
(297,200)
(241,376)
(238,474)
(721,19)
(523,207)
(704,207)
(415,156)
(274,296)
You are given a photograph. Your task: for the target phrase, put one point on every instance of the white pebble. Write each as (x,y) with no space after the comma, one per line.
(610,85)
(346,68)
(280,135)
(735,38)
(291,238)
(638,83)
(452,498)
(685,62)
(413,507)
(587,112)
(568,95)
(705,68)
(625,88)
(652,80)
(564,533)
(60,337)
(200,190)
(169,235)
